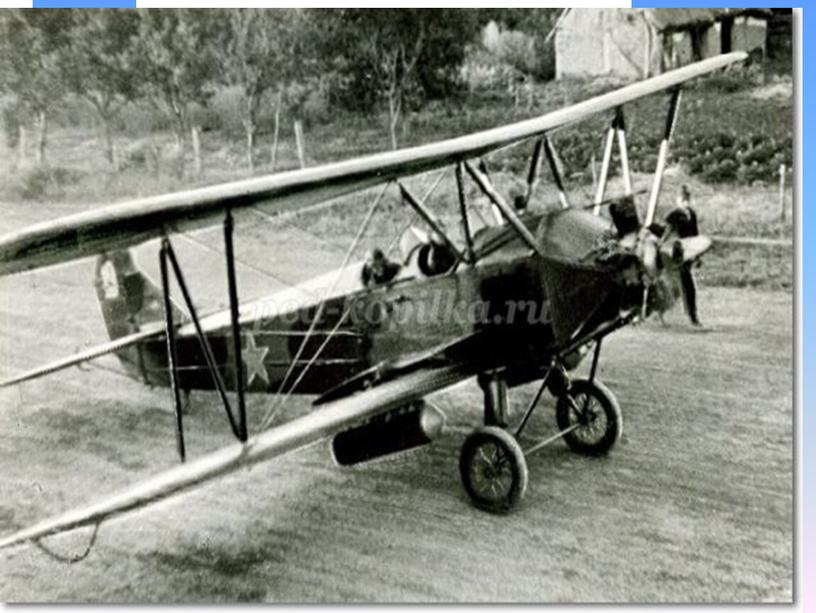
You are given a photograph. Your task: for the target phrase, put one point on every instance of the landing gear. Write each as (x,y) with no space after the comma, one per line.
(590,416)
(493,469)
(492,464)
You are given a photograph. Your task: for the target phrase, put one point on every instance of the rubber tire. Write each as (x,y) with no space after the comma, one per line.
(518,466)
(614,418)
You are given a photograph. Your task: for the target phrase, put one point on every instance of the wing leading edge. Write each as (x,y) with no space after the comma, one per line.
(126,224)
(330,419)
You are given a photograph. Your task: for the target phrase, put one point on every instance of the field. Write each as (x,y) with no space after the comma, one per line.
(695,505)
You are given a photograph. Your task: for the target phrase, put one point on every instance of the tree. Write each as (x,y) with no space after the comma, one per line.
(100,65)
(31,42)
(534,56)
(395,53)
(260,49)
(174,63)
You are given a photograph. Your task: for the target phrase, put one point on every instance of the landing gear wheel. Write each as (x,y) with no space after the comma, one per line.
(493,469)
(594,409)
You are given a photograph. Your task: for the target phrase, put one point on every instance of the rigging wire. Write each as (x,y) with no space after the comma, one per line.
(253,267)
(273,219)
(410,221)
(321,306)
(271,414)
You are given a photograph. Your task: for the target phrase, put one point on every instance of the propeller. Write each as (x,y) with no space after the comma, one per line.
(660,257)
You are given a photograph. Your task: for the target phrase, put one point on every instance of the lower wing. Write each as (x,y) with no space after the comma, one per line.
(329,419)
(85,356)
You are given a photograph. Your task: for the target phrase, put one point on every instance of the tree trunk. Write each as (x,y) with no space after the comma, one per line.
(108,134)
(42,136)
(181,137)
(277,130)
(182,132)
(194,131)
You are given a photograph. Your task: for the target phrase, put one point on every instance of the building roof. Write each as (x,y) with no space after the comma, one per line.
(678,19)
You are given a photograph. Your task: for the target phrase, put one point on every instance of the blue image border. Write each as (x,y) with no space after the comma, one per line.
(84,4)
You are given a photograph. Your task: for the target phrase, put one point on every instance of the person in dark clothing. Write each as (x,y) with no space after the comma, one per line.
(624,216)
(378,269)
(681,222)
(683,219)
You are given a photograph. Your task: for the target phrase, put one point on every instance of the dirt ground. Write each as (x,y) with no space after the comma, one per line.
(694,505)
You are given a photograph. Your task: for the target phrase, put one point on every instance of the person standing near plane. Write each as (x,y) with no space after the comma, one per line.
(681,222)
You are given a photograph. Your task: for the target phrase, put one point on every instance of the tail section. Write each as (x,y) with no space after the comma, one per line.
(129,299)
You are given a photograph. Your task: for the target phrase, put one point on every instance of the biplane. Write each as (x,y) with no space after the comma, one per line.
(352,344)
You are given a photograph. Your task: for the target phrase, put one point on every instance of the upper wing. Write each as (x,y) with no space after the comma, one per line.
(126,224)
(332,418)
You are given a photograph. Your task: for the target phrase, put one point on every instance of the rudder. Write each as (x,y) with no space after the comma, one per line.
(128,298)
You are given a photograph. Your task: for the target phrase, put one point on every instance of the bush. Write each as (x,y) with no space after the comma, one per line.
(41,182)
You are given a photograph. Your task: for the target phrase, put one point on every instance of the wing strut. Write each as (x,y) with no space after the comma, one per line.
(463,211)
(532,173)
(487,188)
(607,158)
(229,225)
(620,128)
(662,157)
(556,173)
(616,128)
(430,220)
(172,355)
(168,255)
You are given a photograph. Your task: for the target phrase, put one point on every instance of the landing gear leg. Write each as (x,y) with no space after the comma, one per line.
(492,464)
(494,388)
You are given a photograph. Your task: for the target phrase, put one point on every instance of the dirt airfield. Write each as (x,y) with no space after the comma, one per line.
(695,504)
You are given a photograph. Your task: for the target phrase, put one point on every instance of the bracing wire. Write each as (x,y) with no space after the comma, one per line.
(321,306)
(276,408)
(257,269)
(270,416)
(440,175)
(274,219)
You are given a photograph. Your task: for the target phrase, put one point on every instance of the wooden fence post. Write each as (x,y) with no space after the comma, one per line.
(21,146)
(196,151)
(299,143)
(277,131)
(782,192)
